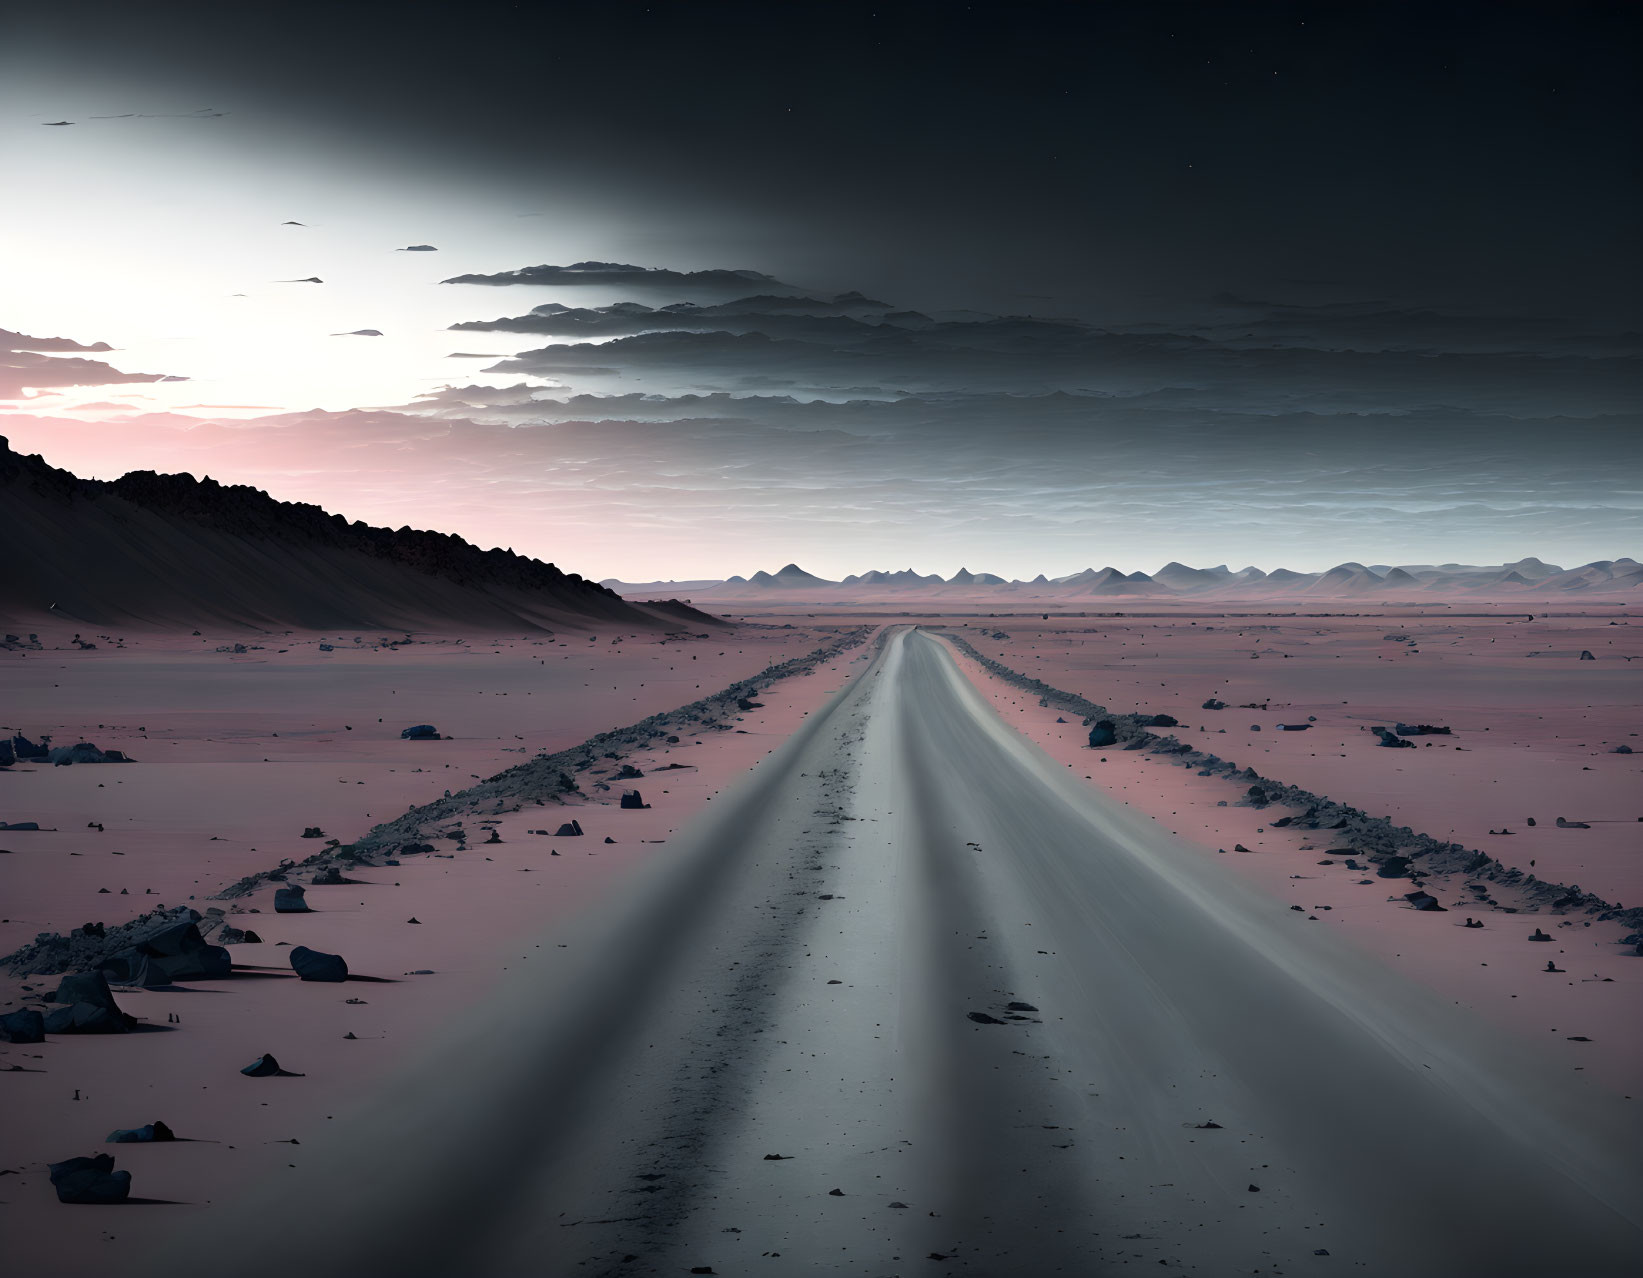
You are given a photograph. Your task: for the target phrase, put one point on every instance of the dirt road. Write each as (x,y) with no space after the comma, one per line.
(914,999)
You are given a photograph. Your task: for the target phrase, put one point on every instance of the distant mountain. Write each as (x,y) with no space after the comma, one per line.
(172,550)
(1352,580)
(791,577)
(964,577)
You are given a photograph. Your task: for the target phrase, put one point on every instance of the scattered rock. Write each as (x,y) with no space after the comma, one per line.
(175,953)
(90,1009)
(289,900)
(315,965)
(89,1180)
(155,1131)
(981,1018)
(23,1026)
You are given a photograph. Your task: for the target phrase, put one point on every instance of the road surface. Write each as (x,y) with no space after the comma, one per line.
(1019,1030)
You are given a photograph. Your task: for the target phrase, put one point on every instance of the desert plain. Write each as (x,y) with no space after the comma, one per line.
(244,743)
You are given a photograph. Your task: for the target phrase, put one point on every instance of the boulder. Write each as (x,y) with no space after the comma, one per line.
(23,748)
(1213,704)
(633,799)
(89,1180)
(420,732)
(85,987)
(1586,656)
(1162,721)
(84,1018)
(155,1131)
(23,1026)
(133,967)
(174,953)
(315,965)
(1565,824)
(1424,901)
(84,752)
(743,703)
(1103,734)
(265,1066)
(627,772)
(1538,935)
(569,830)
(289,900)
(1394,867)
(312,832)
(1421,730)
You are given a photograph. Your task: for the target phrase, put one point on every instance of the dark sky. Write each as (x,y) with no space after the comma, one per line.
(1367,271)
(1116,158)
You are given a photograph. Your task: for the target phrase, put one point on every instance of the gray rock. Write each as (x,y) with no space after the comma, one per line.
(289,900)
(84,1181)
(149,1132)
(315,965)
(23,1026)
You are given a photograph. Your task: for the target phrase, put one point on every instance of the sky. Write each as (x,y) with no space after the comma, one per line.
(708,288)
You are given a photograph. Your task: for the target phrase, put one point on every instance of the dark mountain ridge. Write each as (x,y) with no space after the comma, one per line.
(174,549)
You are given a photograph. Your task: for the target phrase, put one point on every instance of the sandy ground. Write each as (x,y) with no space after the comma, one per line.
(473,910)
(913,993)
(1547,718)
(1533,726)
(239,753)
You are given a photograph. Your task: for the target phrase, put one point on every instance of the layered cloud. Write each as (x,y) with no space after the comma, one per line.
(29,364)
(622,275)
(1270,358)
